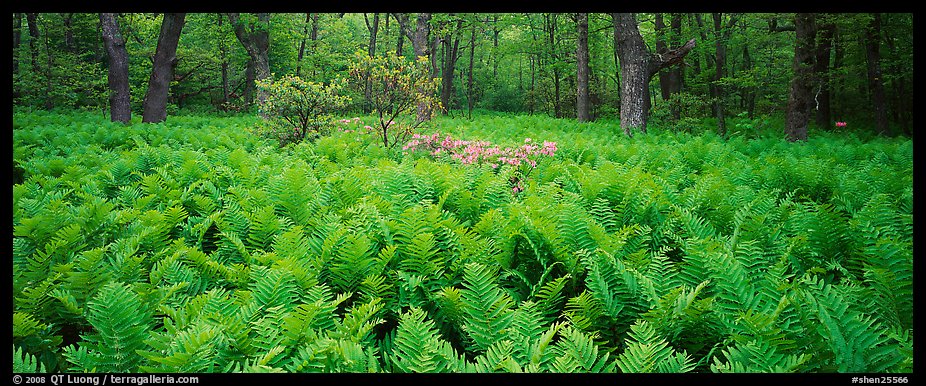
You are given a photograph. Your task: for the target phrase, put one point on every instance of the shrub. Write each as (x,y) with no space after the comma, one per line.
(295,109)
(397,88)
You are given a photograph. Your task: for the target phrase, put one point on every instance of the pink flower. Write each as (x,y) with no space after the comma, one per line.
(840,124)
(526,140)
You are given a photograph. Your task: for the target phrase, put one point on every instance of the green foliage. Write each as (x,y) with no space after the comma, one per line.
(296,109)
(397,87)
(200,248)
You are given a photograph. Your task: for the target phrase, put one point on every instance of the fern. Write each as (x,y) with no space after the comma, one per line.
(488,307)
(121,326)
(577,352)
(757,357)
(418,348)
(647,353)
(23,362)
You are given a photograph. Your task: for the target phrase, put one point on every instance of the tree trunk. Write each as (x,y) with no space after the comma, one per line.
(469,82)
(450,60)
(875,84)
(720,58)
(634,61)
(224,59)
(120,109)
(800,98)
(154,107)
(420,46)
(638,66)
(551,30)
(662,47)
(68,32)
(822,71)
(675,73)
(750,93)
(17,28)
(305,36)
(582,107)
(31,20)
(371,51)
(256,41)
(495,32)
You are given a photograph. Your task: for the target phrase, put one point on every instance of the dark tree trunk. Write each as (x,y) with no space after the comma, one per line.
(154,107)
(582,107)
(371,51)
(836,83)
(638,66)
(676,76)
(418,36)
(899,106)
(450,60)
(495,32)
(256,41)
(49,65)
(634,62)
(401,40)
(305,36)
(551,30)
(720,59)
(875,83)
(749,93)
(31,20)
(822,71)
(120,109)
(420,46)
(469,82)
(68,32)
(17,28)
(800,99)
(661,46)
(224,59)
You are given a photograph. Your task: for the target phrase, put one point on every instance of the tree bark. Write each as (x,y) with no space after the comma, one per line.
(256,41)
(31,20)
(305,36)
(120,109)
(469,82)
(450,60)
(420,46)
(822,71)
(68,32)
(371,51)
(582,107)
(800,98)
(154,107)
(664,86)
(17,33)
(224,59)
(418,36)
(720,59)
(875,84)
(637,67)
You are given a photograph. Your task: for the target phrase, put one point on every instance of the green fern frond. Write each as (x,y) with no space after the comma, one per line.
(757,357)
(488,307)
(417,347)
(121,324)
(23,362)
(649,353)
(578,352)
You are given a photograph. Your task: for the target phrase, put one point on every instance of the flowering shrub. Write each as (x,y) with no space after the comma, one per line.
(483,152)
(397,88)
(840,124)
(295,109)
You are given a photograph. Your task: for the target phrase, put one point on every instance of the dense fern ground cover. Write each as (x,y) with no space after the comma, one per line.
(193,246)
